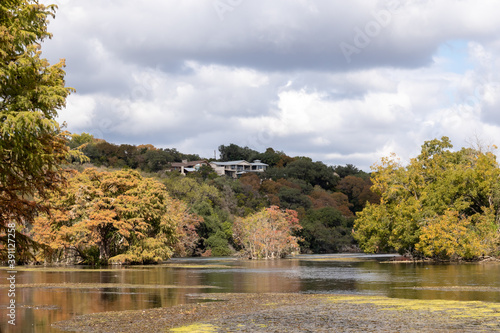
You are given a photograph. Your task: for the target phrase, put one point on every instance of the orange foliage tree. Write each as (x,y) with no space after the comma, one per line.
(118,216)
(321,198)
(267,233)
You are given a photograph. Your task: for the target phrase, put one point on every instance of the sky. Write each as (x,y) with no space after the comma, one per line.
(342,82)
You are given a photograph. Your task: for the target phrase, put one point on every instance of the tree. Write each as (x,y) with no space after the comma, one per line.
(205,200)
(235,153)
(78,140)
(321,198)
(192,191)
(293,198)
(314,173)
(251,180)
(274,158)
(29,167)
(439,202)
(117,215)
(358,191)
(145,157)
(326,230)
(32,146)
(449,235)
(268,233)
(349,170)
(204,172)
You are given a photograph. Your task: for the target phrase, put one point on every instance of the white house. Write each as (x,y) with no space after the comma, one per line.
(235,169)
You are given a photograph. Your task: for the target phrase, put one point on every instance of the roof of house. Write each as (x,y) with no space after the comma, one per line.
(239,162)
(188,164)
(231,162)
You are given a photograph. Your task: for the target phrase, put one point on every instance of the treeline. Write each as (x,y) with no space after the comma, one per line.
(144,157)
(443,205)
(326,198)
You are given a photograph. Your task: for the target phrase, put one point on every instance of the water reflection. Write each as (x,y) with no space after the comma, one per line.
(145,287)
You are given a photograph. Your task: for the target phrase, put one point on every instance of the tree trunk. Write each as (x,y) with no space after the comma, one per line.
(103,245)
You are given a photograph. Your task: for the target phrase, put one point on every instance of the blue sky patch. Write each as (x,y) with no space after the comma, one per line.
(456,55)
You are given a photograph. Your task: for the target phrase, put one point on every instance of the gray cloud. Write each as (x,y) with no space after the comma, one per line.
(340,82)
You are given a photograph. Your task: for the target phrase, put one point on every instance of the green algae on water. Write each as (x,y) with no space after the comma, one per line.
(195,328)
(454,309)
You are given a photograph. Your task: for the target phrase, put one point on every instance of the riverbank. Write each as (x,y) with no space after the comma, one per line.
(289,312)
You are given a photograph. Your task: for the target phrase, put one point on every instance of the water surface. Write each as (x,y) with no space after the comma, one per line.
(43,298)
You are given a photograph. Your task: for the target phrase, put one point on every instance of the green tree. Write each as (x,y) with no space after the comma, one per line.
(440,201)
(274,158)
(32,146)
(325,230)
(314,173)
(349,170)
(77,140)
(235,153)
(205,200)
(292,198)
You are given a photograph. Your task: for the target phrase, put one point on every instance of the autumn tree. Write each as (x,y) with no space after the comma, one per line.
(120,216)
(251,180)
(32,146)
(358,191)
(443,204)
(268,233)
(321,198)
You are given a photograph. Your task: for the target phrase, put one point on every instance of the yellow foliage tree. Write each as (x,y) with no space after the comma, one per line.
(443,204)
(452,235)
(32,146)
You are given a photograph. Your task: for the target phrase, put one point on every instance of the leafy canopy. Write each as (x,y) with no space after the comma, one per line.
(31,91)
(443,204)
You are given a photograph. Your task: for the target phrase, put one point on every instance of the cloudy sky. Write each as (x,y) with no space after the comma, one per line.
(338,81)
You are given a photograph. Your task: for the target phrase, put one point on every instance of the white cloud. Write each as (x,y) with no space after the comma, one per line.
(78,113)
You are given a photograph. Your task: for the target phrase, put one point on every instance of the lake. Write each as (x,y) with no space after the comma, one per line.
(46,295)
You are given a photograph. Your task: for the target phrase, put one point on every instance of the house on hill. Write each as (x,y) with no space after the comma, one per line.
(235,169)
(186,167)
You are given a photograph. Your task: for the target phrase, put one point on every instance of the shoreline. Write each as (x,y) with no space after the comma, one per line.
(397,259)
